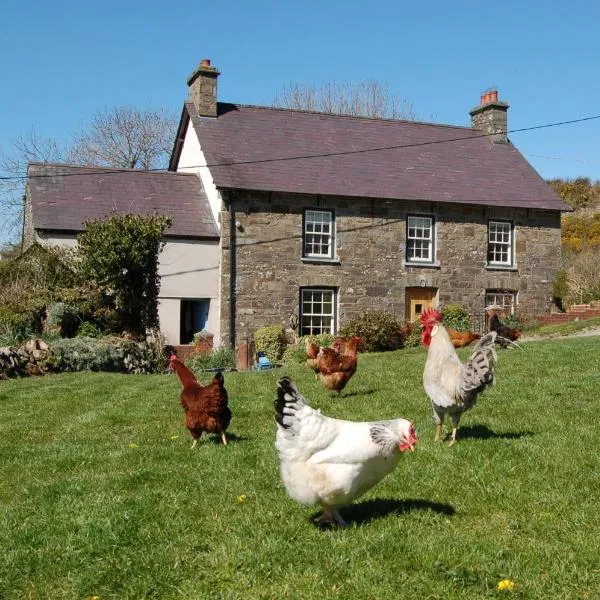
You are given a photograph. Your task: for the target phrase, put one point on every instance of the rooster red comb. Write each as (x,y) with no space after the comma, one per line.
(173,357)
(431,315)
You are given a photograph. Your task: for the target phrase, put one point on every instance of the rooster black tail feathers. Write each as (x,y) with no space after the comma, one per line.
(289,400)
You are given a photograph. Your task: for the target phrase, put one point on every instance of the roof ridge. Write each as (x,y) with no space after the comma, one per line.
(95,168)
(345,116)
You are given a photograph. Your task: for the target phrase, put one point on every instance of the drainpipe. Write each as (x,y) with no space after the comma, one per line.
(232,271)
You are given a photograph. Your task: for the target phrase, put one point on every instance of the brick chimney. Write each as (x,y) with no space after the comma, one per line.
(490,117)
(203,89)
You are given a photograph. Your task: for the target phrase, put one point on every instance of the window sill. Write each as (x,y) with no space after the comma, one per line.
(500,268)
(421,265)
(320,261)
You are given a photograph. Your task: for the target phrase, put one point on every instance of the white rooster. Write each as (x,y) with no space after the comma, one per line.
(330,462)
(453,386)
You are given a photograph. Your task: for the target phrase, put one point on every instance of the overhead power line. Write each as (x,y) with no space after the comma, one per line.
(110,171)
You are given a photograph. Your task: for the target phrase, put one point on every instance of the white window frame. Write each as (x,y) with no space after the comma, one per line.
(314,319)
(318,234)
(504,300)
(419,224)
(500,244)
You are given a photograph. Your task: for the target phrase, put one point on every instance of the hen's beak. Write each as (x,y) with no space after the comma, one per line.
(404,446)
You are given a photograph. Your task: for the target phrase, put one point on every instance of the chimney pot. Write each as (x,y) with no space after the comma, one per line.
(205,62)
(494,96)
(482,99)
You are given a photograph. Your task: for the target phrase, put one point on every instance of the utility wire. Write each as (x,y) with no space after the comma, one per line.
(110,171)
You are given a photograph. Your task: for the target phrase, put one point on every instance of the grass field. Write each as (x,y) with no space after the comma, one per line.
(102,497)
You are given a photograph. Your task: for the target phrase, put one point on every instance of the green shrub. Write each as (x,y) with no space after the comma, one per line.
(87,329)
(85,354)
(413,339)
(104,354)
(457,317)
(513,322)
(378,331)
(222,358)
(270,340)
(63,319)
(296,353)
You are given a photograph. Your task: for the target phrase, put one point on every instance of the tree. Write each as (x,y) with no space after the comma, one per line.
(126,138)
(120,138)
(580,193)
(367,98)
(13,167)
(120,254)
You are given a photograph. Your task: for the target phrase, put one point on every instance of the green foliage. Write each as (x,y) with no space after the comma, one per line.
(63,318)
(87,329)
(457,317)
(296,353)
(29,283)
(104,354)
(560,289)
(222,358)
(413,339)
(120,254)
(513,322)
(580,231)
(85,354)
(270,340)
(378,331)
(578,193)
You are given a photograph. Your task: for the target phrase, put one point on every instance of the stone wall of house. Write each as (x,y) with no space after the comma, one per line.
(370,274)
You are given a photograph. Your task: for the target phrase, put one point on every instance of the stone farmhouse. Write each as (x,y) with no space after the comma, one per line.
(307,219)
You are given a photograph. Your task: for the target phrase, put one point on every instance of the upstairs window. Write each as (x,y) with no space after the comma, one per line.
(318,230)
(317,311)
(419,239)
(500,244)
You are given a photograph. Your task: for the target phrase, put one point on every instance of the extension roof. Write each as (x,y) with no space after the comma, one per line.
(272,149)
(64,196)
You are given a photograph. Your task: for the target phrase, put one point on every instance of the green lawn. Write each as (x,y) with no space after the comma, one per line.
(101,496)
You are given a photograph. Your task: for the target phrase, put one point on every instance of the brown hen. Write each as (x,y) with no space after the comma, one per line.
(206,407)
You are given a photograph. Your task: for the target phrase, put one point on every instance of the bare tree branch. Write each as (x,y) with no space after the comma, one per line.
(25,149)
(361,99)
(121,138)
(126,137)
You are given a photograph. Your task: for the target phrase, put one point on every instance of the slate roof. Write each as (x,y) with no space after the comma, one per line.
(64,196)
(257,148)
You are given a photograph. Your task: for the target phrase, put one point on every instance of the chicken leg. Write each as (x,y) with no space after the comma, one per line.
(438,433)
(331,516)
(223,438)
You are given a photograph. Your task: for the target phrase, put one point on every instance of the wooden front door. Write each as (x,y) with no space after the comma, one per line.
(419,299)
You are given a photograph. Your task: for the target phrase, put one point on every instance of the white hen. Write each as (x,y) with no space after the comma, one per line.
(330,462)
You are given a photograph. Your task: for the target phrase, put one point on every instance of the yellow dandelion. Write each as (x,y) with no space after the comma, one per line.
(174,437)
(505,585)
(133,445)
(242,498)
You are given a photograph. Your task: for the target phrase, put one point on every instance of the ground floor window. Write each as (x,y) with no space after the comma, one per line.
(504,301)
(193,318)
(317,311)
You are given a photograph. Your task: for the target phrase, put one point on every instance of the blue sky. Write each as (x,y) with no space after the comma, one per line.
(65,61)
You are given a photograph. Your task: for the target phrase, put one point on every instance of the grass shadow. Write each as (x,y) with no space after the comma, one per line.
(482,432)
(367,392)
(369,510)
(215,438)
